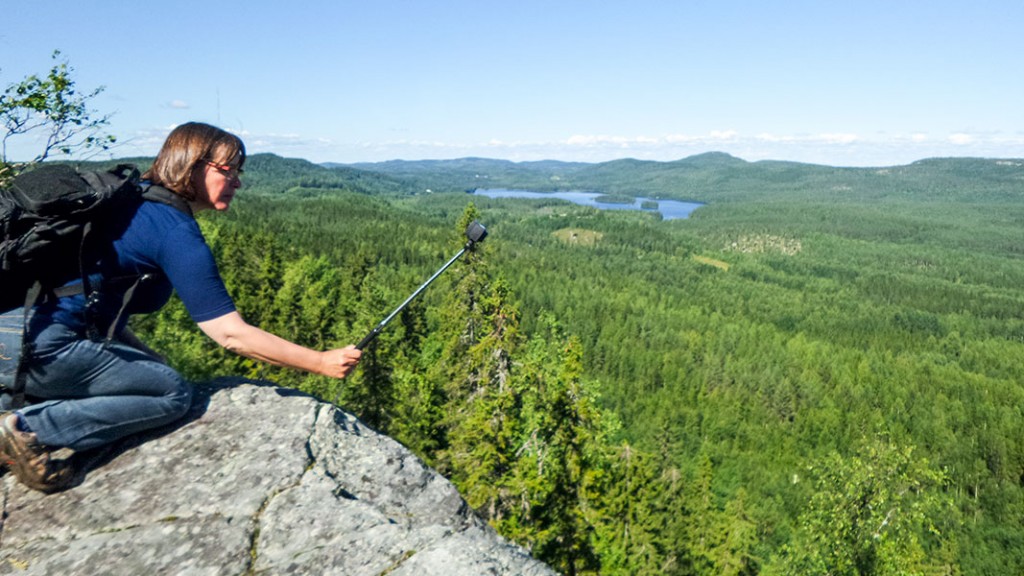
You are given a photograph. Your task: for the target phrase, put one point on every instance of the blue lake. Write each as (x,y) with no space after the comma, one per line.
(669,209)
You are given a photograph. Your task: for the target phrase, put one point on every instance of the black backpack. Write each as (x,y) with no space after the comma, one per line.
(48,217)
(54,223)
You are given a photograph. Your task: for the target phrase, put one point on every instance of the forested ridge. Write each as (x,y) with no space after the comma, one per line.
(819,372)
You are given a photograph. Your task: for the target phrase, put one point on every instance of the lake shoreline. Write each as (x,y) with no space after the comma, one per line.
(669,209)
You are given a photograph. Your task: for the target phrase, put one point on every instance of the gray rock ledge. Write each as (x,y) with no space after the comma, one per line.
(258,480)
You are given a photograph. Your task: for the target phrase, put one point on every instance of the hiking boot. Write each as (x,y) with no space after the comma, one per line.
(29,460)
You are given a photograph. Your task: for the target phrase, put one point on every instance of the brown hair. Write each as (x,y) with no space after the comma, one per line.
(189,147)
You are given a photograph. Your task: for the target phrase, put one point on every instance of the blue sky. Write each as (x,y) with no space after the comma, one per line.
(845,83)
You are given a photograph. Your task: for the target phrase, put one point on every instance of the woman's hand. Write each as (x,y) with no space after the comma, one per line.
(339,363)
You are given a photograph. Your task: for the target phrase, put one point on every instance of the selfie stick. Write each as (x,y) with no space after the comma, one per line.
(475,232)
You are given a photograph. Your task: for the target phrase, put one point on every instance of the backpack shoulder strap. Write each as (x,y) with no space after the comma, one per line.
(162,195)
(17,389)
(153,194)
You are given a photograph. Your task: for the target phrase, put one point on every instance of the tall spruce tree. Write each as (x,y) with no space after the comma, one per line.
(627,506)
(482,441)
(561,449)
(456,328)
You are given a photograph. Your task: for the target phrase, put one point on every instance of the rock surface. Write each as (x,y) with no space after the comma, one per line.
(257,480)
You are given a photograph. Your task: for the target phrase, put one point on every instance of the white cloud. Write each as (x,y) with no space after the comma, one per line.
(178,105)
(766,137)
(287,143)
(596,140)
(838,138)
(680,139)
(637,141)
(961,139)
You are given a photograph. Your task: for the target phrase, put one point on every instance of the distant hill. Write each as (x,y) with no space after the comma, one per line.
(470,173)
(709,177)
(717,176)
(274,174)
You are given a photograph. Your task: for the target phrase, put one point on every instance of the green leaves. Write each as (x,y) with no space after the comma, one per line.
(873,513)
(51,108)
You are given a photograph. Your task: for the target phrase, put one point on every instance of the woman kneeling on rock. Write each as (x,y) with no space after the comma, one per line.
(86,393)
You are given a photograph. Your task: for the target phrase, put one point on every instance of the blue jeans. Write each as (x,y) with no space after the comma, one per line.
(87,394)
(11,324)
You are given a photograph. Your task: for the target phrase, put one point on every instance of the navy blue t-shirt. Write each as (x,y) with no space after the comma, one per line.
(168,245)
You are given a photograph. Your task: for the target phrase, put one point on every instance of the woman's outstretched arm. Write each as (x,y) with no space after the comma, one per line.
(232,332)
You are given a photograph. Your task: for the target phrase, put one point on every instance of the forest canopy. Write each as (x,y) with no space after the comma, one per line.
(818,372)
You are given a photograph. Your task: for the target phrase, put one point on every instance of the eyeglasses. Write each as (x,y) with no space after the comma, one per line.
(229,172)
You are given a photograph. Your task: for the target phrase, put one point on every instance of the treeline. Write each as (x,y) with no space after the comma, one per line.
(781,386)
(719,178)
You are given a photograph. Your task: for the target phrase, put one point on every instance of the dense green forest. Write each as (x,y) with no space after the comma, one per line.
(819,372)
